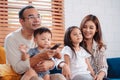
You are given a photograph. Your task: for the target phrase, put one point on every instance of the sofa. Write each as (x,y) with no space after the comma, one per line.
(113,68)
(7,73)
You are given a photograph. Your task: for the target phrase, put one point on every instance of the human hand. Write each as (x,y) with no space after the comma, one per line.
(47,53)
(99,76)
(43,66)
(66,71)
(57,54)
(23,48)
(25,56)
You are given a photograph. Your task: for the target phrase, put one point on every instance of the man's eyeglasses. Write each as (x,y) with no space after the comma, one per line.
(31,17)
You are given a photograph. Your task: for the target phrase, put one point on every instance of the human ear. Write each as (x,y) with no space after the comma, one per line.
(21,21)
(35,40)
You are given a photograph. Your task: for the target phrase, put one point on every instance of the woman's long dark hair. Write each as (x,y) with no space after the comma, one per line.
(98,35)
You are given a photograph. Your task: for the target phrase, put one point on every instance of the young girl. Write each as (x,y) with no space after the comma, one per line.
(42,37)
(75,56)
(93,42)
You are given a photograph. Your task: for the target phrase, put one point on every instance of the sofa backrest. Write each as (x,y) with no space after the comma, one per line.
(113,67)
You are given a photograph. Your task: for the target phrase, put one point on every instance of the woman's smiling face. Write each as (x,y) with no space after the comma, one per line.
(89,30)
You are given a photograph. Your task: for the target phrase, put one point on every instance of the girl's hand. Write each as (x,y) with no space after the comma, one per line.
(66,71)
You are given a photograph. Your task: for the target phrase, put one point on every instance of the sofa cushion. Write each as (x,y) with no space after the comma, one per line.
(113,67)
(7,73)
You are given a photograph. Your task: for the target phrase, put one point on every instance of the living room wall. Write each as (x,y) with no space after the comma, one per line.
(108,12)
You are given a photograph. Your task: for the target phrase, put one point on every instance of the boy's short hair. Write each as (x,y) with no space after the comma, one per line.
(42,30)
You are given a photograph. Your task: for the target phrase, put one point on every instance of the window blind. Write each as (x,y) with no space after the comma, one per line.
(51,11)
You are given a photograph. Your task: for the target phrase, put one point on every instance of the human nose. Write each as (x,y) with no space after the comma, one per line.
(87,29)
(37,18)
(79,35)
(46,41)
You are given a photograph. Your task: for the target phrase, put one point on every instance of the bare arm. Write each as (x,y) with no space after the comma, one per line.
(66,68)
(90,67)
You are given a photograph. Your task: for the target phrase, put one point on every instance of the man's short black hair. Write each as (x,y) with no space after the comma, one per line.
(23,9)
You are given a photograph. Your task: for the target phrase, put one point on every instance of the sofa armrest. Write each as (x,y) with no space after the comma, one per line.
(7,73)
(2,56)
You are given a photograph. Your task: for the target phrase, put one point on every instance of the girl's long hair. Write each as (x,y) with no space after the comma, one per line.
(67,38)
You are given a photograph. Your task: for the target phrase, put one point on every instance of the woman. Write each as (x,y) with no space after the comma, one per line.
(93,43)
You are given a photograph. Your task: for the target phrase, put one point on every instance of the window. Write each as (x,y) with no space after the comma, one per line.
(51,11)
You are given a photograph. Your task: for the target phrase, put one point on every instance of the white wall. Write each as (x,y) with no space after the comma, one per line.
(108,12)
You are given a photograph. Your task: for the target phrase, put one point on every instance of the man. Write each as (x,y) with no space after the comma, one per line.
(30,20)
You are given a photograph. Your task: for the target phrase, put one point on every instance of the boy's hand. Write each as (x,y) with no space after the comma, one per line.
(24,56)
(47,53)
(57,54)
(23,48)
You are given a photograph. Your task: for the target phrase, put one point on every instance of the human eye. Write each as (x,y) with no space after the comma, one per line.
(43,38)
(85,26)
(31,17)
(75,34)
(91,27)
